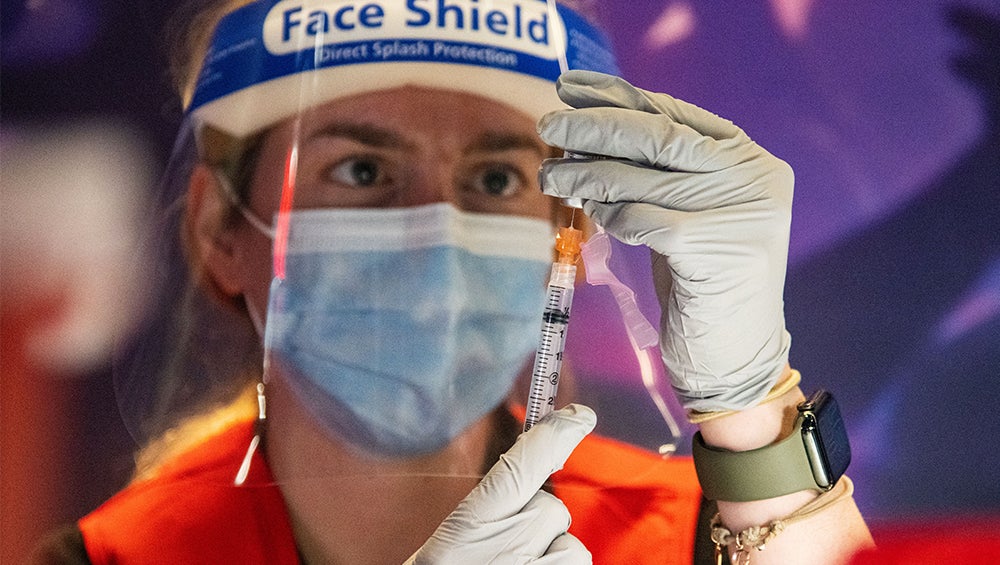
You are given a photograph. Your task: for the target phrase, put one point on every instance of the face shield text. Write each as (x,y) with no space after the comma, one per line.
(521,26)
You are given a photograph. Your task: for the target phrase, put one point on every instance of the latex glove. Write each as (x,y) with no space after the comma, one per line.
(506,519)
(714,207)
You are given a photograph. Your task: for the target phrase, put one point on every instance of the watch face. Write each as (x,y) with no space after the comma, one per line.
(825,439)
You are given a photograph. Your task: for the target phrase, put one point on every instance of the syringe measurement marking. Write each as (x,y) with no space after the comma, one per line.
(545,375)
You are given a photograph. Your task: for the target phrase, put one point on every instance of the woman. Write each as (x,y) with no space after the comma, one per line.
(397,289)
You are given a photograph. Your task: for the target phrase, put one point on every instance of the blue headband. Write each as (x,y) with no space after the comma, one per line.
(509,50)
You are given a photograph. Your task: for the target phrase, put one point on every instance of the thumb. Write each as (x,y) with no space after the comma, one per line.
(525,467)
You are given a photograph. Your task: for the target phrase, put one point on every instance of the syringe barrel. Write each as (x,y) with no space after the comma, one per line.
(545,374)
(562,275)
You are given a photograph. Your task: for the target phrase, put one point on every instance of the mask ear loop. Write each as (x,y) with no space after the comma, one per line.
(234,200)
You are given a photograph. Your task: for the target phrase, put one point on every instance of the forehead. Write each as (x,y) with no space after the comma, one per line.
(417,111)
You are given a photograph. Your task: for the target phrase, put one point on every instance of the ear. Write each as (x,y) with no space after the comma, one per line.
(210,241)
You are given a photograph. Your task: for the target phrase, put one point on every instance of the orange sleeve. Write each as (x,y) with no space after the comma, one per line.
(192,513)
(629,505)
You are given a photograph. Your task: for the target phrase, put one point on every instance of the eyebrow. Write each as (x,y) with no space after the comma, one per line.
(364,133)
(504,141)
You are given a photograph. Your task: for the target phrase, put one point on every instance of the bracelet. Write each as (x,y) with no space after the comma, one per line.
(790,382)
(757,537)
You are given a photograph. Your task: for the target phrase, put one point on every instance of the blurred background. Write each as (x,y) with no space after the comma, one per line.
(889,113)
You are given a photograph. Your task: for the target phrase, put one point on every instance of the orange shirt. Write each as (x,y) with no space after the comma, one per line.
(191,512)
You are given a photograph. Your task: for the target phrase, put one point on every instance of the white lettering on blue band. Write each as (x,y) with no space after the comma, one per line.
(271,39)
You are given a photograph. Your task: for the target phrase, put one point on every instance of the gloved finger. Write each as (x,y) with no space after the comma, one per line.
(525,467)
(624,181)
(588,89)
(654,140)
(548,519)
(688,237)
(566,550)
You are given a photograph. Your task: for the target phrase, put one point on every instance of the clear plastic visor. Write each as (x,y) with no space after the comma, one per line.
(367,272)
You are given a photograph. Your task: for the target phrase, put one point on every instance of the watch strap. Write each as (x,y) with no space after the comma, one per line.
(742,476)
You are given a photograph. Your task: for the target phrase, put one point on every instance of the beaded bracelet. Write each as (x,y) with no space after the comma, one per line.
(757,537)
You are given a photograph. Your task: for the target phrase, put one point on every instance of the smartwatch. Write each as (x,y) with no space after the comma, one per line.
(814,456)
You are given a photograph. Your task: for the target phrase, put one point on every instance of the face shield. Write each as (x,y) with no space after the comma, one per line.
(359,186)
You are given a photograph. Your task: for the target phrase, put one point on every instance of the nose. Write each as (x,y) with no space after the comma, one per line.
(433,181)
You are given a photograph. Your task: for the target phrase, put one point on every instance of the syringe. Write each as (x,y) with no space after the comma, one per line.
(548,357)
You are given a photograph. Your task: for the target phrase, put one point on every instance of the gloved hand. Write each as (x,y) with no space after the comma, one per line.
(712,205)
(506,519)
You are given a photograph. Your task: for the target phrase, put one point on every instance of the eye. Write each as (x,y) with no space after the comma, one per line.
(358,172)
(498,180)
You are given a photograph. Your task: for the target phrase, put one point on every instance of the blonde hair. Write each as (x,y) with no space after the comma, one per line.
(191,432)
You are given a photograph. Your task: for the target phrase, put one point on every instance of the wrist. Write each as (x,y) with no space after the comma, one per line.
(786,381)
(756,426)
(766,473)
(749,429)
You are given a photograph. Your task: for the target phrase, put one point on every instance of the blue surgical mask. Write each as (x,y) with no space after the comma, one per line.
(399,328)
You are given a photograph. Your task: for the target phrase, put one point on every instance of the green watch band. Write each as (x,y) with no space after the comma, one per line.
(741,476)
